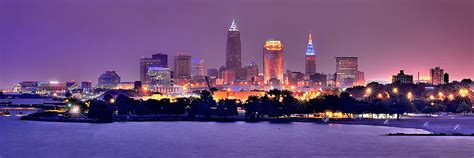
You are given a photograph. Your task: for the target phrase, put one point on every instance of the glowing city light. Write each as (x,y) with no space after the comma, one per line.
(75,110)
(463,92)
(432,97)
(380,95)
(410,95)
(112,101)
(395,90)
(368,91)
(451,96)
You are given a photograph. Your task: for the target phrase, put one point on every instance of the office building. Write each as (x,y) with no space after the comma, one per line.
(273,60)
(198,68)
(402,78)
(157,60)
(233,54)
(310,58)
(436,75)
(346,71)
(182,66)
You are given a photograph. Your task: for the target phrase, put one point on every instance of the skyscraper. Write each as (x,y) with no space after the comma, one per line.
(273,60)
(310,66)
(436,75)
(157,60)
(233,55)
(198,67)
(346,71)
(182,66)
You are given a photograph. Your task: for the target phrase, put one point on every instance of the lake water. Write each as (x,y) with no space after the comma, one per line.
(211,139)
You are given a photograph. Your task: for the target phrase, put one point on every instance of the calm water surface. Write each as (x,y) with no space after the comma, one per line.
(211,139)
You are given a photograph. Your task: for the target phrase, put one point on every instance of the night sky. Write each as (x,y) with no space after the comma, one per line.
(79,39)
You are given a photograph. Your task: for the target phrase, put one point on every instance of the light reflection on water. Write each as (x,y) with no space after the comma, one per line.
(212,139)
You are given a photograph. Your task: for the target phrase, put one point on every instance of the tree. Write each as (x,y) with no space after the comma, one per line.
(251,107)
(100,110)
(124,104)
(464,108)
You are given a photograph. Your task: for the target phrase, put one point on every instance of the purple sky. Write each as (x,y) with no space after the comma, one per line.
(79,39)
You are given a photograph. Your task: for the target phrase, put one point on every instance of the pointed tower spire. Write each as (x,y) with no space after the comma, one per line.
(310,39)
(310,48)
(233,26)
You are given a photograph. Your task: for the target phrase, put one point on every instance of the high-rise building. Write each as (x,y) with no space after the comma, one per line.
(446,78)
(346,70)
(108,80)
(402,78)
(310,66)
(157,60)
(436,75)
(360,78)
(182,66)
(250,72)
(212,73)
(233,54)
(273,60)
(228,76)
(198,67)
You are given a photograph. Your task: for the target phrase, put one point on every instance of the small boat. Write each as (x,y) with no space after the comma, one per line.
(7,113)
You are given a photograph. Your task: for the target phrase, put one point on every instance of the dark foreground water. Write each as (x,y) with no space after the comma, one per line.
(210,139)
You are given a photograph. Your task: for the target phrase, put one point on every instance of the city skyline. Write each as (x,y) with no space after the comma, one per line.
(85,51)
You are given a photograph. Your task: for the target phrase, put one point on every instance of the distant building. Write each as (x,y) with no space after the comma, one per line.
(228,76)
(446,78)
(198,67)
(436,75)
(86,86)
(273,60)
(319,80)
(310,66)
(125,85)
(182,66)
(250,72)
(233,51)
(108,80)
(137,85)
(157,60)
(159,76)
(346,70)
(212,73)
(402,78)
(360,78)
(295,78)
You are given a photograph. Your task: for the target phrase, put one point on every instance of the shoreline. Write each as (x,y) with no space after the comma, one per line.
(437,126)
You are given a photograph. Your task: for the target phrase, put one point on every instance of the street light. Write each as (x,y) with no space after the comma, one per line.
(368,91)
(410,95)
(380,96)
(395,90)
(463,92)
(451,96)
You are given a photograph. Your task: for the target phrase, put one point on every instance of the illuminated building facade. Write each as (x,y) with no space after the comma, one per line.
(273,60)
(157,60)
(182,66)
(310,66)
(198,67)
(233,53)
(346,71)
(86,86)
(250,72)
(402,78)
(160,76)
(437,75)
(108,80)
(212,73)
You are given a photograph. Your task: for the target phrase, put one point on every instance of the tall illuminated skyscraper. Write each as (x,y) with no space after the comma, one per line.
(310,66)
(273,60)
(233,56)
